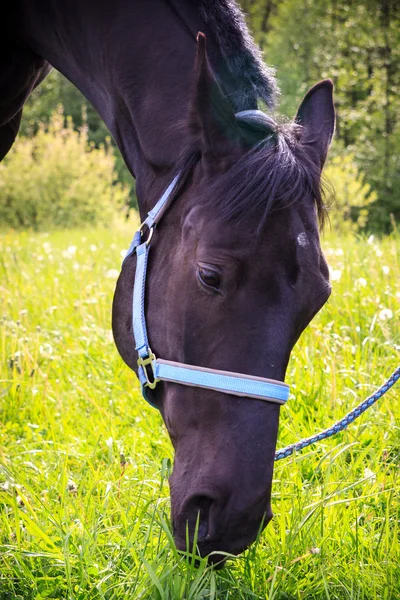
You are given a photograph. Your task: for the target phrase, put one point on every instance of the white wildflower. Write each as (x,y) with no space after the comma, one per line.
(335,274)
(385,314)
(112,273)
(46,350)
(69,252)
(93,247)
(123,253)
(109,442)
(386,269)
(360,282)
(370,474)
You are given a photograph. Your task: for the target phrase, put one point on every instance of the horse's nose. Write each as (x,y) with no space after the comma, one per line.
(195,519)
(216,527)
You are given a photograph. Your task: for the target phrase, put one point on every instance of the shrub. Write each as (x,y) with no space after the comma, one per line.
(58,179)
(349,211)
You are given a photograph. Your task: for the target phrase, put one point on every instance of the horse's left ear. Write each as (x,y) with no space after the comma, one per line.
(212,121)
(316,114)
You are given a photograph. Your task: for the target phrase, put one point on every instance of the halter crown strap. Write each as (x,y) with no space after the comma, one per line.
(157,212)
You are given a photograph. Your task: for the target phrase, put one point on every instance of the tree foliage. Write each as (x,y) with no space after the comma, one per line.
(355,42)
(353,196)
(56,90)
(57,178)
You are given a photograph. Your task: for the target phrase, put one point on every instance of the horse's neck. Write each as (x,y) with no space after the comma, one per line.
(134,62)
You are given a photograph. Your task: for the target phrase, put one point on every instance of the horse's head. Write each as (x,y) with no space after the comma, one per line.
(236,273)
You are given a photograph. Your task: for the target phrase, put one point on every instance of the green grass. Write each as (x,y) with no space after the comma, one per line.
(84,506)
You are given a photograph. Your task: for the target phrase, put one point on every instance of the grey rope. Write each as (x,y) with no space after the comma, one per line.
(343,423)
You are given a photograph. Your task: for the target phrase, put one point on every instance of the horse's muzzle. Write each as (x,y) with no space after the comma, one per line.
(204,525)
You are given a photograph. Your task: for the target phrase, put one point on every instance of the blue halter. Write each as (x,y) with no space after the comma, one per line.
(151,370)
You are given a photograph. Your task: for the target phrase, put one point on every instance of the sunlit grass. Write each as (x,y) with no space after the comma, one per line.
(84,507)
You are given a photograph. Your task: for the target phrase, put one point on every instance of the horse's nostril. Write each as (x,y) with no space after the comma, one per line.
(195,516)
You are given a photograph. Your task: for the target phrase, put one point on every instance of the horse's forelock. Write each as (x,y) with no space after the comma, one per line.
(275,173)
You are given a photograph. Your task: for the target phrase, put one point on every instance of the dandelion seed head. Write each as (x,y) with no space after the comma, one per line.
(335,274)
(370,474)
(69,252)
(385,314)
(360,282)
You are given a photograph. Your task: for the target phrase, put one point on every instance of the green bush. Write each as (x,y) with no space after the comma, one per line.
(349,211)
(58,179)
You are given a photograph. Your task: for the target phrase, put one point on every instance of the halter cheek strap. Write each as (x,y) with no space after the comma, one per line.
(151,370)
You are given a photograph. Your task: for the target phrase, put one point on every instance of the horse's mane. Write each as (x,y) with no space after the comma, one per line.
(246,78)
(276,171)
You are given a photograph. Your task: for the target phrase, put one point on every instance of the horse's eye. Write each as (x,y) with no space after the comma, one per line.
(209,278)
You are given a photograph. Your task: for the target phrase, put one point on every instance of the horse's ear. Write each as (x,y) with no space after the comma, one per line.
(212,121)
(316,114)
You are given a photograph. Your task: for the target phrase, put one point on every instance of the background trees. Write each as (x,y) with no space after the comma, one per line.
(356,43)
(58,179)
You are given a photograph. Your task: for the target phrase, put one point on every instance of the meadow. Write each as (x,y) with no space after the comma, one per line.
(84,461)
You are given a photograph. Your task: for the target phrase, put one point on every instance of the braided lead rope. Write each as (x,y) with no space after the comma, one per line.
(343,423)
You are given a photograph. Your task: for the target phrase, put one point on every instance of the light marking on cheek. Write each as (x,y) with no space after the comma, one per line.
(302,240)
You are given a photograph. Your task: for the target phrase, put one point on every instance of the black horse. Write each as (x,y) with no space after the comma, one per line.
(237,272)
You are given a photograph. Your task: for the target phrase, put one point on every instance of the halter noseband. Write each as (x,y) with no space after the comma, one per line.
(151,370)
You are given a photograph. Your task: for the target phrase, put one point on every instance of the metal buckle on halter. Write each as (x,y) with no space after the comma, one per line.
(151,231)
(147,363)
